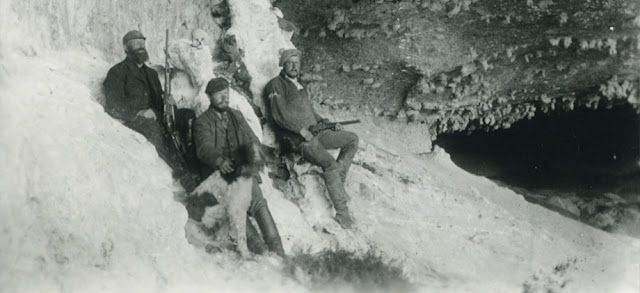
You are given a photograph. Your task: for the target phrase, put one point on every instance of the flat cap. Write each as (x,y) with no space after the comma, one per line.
(216,84)
(132,35)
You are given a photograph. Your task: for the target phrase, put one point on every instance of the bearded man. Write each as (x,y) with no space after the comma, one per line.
(218,133)
(134,96)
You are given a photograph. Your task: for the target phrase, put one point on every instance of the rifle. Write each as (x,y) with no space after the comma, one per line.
(169,108)
(315,129)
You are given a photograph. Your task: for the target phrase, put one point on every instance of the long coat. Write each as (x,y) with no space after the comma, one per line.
(129,89)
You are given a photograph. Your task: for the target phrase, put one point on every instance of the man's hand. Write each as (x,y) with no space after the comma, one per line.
(148,114)
(308,136)
(338,127)
(226,166)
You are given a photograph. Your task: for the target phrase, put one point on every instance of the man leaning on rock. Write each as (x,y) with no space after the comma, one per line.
(293,114)
(134,96)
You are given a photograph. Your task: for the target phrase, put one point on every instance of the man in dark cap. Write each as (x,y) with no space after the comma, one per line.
(134,96)
(133,89)
(293,115)
(218,133)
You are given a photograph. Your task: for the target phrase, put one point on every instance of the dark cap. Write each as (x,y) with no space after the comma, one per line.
(215,85)
(132,35)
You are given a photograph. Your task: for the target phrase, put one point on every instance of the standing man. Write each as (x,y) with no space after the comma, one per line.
(293,113)
(218,133)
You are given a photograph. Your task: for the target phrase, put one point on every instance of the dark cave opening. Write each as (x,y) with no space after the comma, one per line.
(584,151)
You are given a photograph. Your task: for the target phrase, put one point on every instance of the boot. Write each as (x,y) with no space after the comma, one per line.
(338,196)
(269,230)
(343,169)
(254,242)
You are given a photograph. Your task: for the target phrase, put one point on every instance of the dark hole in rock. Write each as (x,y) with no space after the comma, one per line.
(584,154)
(582,149)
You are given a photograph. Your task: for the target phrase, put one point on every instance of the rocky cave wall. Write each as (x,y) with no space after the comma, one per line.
(458,65)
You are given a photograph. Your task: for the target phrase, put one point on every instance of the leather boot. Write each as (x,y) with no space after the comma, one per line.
(338,196)
(269,230)
(343,169)
(254,242)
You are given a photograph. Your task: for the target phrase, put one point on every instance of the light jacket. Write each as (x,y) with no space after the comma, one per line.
(290,108)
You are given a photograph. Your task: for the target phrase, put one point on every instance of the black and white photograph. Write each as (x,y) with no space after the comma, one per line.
(320,146)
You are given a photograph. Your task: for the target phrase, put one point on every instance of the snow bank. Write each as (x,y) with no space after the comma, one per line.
(87,203)
(64,24)
(255,26)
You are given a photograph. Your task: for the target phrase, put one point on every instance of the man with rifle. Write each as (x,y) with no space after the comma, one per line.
(305,131)
(134,96)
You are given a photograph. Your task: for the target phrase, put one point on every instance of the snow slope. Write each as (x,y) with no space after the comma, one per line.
(87,205)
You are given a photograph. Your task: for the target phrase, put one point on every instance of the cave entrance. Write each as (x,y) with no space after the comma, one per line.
(583,151)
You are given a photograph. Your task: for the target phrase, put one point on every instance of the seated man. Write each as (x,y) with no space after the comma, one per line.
(218,133)
(294,115)
(134,96)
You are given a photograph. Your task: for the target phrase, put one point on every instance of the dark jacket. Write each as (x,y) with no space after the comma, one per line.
(129,89)
(215,142)
(290,108)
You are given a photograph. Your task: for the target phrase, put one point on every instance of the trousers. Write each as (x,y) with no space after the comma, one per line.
(315,151)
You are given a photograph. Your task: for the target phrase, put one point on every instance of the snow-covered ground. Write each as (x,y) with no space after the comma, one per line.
(87,205)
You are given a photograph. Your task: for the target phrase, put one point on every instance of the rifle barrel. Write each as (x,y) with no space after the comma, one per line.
(348,122)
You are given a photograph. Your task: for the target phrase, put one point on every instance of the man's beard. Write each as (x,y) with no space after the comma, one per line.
(221,109)
(139,55)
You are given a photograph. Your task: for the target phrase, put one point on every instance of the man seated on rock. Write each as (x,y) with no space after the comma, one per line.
(294,115)
(134,96)
(218,132)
